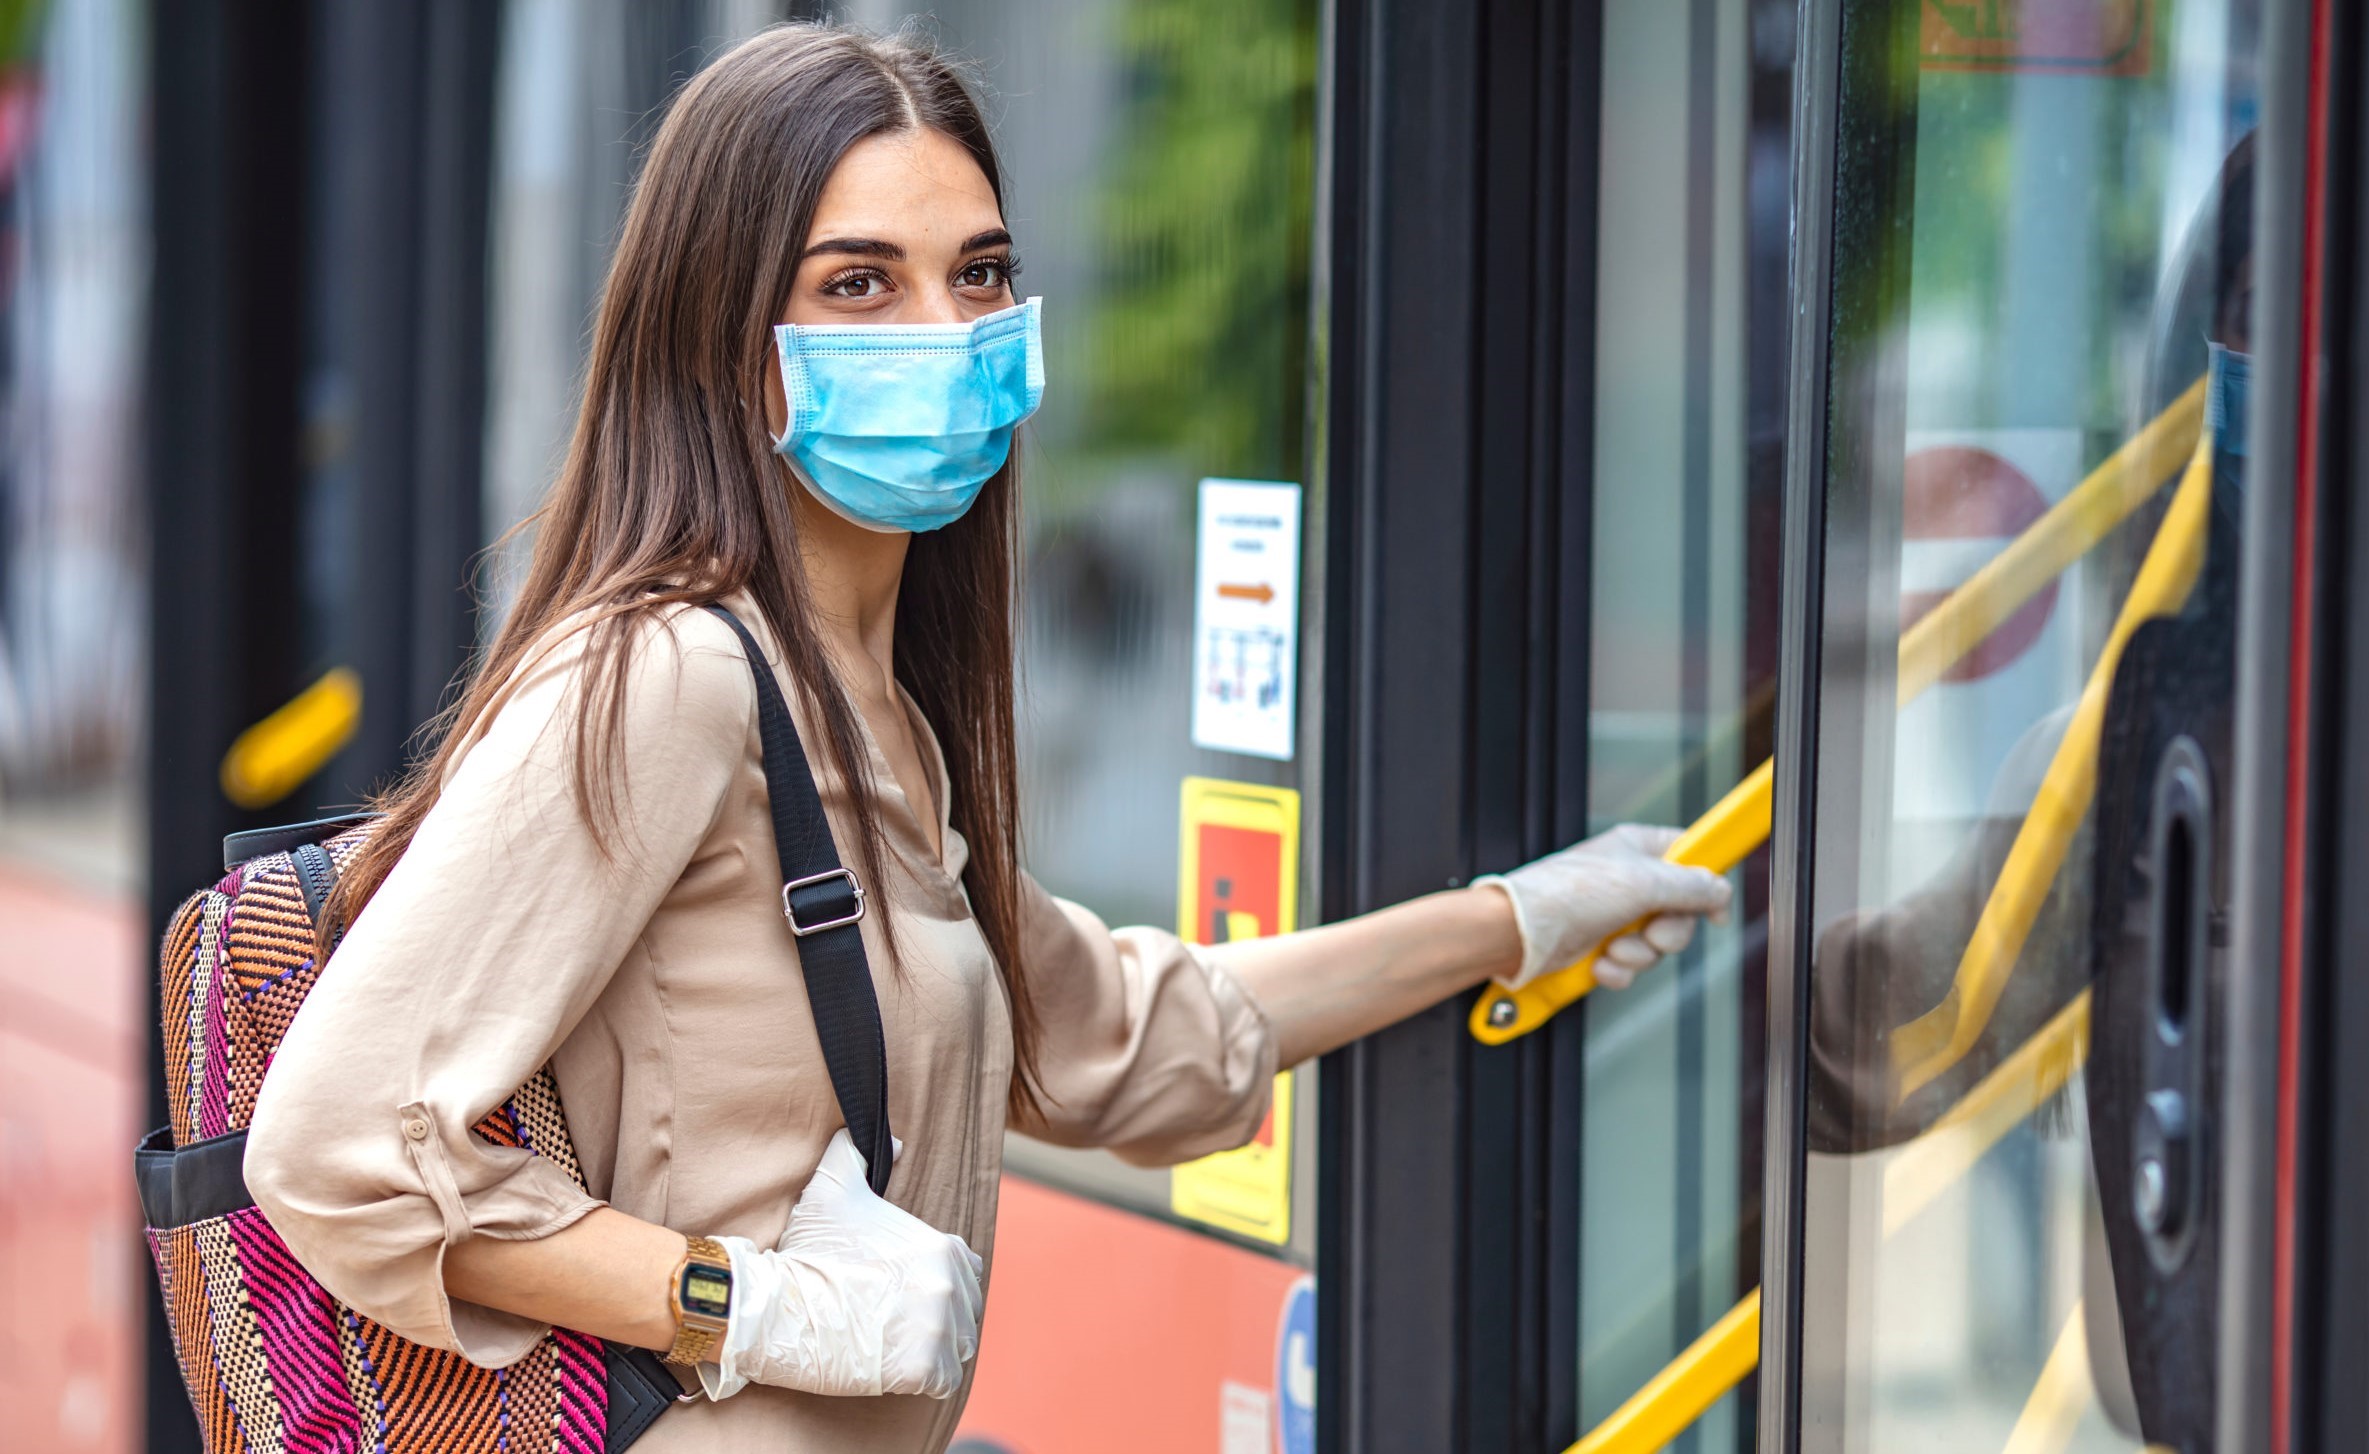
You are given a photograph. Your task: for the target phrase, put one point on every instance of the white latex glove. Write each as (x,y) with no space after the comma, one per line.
(860,1297)
(1569,902)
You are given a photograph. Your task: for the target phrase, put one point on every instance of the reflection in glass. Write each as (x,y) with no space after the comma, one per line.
(2042,238)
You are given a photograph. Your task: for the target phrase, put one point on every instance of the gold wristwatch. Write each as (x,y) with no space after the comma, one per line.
(702,1298)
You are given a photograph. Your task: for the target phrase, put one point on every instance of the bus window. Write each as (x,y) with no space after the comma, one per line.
(2041,276)
(1160,162)
(1160,188)
(1689,409)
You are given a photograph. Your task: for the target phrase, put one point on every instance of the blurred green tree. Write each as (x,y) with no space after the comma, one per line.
(1199,346)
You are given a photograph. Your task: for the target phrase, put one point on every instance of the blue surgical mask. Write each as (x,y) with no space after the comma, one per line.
(897,427)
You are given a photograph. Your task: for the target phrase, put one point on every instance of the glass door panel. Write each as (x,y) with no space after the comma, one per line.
(2020,794)
(1689,405)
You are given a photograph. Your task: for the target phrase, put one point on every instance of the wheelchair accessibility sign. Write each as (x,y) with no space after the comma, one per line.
(1295,1371)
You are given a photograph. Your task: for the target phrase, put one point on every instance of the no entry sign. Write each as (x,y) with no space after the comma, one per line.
(1959,506)
(1964,496)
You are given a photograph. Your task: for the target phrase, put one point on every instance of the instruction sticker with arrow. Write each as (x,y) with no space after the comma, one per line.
(1246,618)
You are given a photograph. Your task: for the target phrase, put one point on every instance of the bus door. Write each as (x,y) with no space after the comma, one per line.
(1622,668)
(2028,788)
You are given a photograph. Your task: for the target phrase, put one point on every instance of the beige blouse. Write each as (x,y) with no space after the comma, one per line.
(661,983)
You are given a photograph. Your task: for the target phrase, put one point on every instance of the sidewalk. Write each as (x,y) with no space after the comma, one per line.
(72,959)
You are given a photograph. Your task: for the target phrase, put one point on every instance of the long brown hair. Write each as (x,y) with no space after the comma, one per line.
(670,492)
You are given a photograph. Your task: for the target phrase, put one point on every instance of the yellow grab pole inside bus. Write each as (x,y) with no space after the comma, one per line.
(1739,822)
(1920,1171)
(2022,1083)
(1678,1395)
(2060,1397)
(1927,1046)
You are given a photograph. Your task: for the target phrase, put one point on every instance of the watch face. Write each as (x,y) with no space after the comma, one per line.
(707,1291)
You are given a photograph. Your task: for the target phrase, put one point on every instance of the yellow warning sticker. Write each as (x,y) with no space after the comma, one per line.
(1239,879)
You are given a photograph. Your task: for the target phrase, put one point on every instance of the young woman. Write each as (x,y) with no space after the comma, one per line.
(583,872)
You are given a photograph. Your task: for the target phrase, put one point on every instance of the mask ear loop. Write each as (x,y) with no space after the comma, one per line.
(789,402)
(1036,357)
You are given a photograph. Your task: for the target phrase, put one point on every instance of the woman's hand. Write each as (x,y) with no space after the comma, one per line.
(1567,903)
(860,1297)
(1321,988)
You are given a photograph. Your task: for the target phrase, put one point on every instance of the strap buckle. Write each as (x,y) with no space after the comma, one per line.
(789,910)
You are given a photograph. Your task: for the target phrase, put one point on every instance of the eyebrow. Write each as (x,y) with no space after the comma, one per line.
(892,252)
(857,247)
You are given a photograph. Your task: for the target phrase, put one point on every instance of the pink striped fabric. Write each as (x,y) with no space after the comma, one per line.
(298,1323)
(583,1393)
(213,1111)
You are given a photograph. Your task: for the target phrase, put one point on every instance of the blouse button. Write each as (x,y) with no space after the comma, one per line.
(416,1129)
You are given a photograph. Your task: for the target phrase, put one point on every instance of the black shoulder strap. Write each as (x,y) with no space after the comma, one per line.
(824,905)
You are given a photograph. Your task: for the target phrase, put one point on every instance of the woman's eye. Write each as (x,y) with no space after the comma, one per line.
(990,274)
(859,283)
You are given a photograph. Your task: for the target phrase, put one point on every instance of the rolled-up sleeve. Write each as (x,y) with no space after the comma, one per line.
(1148,1047)
(480,952)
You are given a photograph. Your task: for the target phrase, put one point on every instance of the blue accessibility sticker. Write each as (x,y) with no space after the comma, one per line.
(1295,1371)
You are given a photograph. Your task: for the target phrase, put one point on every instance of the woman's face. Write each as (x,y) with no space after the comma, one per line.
(906,231)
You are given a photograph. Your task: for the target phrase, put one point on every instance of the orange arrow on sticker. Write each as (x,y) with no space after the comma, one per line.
(1261,593)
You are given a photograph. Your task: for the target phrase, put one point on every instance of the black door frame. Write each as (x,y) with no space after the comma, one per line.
(229,88)
(2328,1326)
(1817,71)
(1461,173)
(2273,890)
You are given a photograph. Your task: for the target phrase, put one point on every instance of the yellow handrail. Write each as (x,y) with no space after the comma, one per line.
(2123,481)
(2021,1084)
(1921,1170)
(1739,823)
(1678,1395)
(1718,841)
(2060,1397)
(272,759)
(1933,1042)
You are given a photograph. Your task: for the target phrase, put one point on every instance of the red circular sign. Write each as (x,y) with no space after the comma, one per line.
(1958,492)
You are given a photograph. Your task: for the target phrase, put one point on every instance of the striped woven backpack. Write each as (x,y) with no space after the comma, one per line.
(272,1361)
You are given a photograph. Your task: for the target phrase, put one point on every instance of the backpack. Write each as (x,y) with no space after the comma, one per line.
(272,1361)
